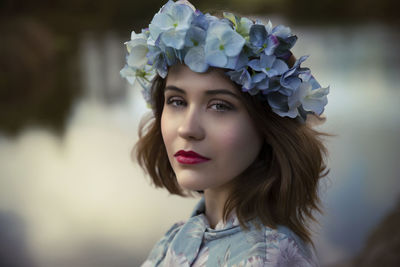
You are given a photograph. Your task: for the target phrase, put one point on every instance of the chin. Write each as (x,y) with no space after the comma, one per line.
(191,183)
(191,186)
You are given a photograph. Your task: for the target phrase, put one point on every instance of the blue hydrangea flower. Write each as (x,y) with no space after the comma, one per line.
(241,25)
(195,44)
(170,54)
(136,67)
(172,23)
(202,20)
(290,79)
(223,45)
(303,94)
(241,77)
(128,73)
(282,32)
(279,104)
(270,65)
(210,19)
(142,76)
(137,49)
(156,58)
(274,85)
(310,95)
(316,100)
(260,81)
(242,60)
(261,40)
(195,59)
(186,2)
(286,41)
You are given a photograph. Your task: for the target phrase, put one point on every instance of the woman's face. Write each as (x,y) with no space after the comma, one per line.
(209,135)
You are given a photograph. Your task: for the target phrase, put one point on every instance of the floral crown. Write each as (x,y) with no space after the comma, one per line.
(255,56)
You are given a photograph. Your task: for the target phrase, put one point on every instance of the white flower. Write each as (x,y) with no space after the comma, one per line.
(137,49)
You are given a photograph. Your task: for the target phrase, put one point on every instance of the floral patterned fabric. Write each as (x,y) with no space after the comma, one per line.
(194,243)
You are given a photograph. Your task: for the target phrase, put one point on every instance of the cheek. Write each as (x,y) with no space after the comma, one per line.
(239,141)
(169,132)
(166,130)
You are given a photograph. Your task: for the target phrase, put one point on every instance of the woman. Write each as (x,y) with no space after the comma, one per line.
(229,106)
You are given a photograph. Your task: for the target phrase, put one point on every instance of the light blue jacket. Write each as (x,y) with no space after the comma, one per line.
(194,243)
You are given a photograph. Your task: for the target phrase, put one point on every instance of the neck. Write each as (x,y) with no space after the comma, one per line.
(214,201)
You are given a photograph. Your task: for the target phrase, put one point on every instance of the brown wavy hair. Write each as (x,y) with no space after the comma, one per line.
(280,187)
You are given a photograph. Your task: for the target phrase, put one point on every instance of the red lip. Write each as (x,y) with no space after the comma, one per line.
(189,157)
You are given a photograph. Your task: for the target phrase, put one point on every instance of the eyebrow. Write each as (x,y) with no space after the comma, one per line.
(208,92)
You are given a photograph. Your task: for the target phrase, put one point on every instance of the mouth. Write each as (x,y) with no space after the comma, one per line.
(189,157)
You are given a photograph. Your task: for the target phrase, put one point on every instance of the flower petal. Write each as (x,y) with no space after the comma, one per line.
(280,106)
(258,34)
(255,65)
(216,59)
(298,95)
(281,31)
(316,100)
(280,66)
(185,2)
(244,27)
(258,77)
(231,63)
(217,29)
(267,61)
(272,44)
(214,56)
(175,39)
(137,58)
(195,59)
(242,61)
(129,74)
(233,43)
(290,82)
(182,15)
(212,45)
(195,36)
(264,84)
(161,22)
(245,79)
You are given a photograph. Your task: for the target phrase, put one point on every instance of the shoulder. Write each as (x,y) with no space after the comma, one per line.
(263,246)
(277,247)
(285,248)
(162,245)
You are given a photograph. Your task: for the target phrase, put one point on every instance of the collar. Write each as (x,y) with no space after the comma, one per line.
(200,211)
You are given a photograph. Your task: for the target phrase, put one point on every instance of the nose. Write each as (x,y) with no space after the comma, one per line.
(191,127)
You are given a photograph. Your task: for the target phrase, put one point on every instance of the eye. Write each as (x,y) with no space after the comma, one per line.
(175,102)
(221,106)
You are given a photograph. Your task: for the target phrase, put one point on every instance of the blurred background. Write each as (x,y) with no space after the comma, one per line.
(70,195)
